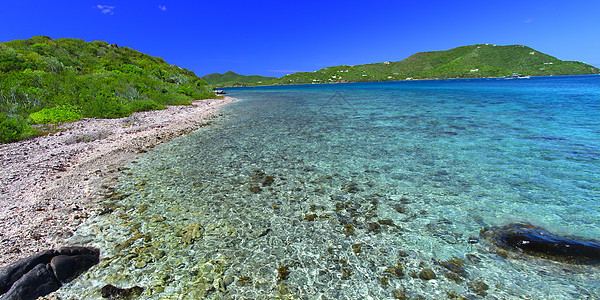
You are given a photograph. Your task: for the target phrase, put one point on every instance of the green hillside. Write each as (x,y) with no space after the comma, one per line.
(233,79)
(49,81)
(475,61)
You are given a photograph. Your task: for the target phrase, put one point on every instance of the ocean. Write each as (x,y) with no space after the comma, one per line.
(360,191)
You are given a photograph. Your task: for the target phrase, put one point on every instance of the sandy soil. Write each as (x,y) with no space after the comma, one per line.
(50,184)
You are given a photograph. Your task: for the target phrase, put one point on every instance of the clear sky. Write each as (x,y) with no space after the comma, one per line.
(274,38)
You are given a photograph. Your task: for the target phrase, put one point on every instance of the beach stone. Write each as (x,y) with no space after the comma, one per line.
(478,287)
(374,227)
(38,282)
(398,294)
(538,242)
(228,280)
(455,265)
(191,233)
(397,271)
(112,292)
(427,274)
(11,273)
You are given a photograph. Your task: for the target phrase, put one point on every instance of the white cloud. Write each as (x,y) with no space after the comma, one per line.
(162,7)
(106,9)
(530,20)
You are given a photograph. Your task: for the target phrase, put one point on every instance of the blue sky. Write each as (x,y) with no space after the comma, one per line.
(273,38)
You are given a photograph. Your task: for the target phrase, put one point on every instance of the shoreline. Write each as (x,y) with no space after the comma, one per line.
(51,184)
(400,80)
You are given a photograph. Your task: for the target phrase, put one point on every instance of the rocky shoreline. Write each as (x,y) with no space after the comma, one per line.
(50,184)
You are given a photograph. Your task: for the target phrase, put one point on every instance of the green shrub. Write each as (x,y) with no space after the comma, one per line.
(39,76)
(173,99)
(106,107)
(11,129)
(58,114)
(144,105)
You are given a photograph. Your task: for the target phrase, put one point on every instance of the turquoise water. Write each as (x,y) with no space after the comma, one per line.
(350,191)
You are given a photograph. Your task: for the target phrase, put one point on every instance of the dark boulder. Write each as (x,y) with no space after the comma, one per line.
(11,273)
(76,250)
(535,241)
(44,272)
(38,282)
(66,268)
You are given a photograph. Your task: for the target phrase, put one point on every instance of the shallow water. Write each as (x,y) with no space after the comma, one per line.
(350,191)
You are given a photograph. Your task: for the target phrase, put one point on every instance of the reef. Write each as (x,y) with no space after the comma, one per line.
(537,242)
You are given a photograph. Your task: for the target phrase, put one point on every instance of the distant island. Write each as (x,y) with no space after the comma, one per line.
(475,61)
(232,79)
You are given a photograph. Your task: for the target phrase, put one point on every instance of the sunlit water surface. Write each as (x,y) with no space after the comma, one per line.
(351,191)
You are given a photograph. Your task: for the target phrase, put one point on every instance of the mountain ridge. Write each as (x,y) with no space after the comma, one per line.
(472,61)
(233,79)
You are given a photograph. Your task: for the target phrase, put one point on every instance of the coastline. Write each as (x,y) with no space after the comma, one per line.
(402,80)
(51,184)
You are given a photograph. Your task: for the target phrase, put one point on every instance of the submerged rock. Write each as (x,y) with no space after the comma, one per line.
(535,241)
(427,274)
(112,292)
(191,233)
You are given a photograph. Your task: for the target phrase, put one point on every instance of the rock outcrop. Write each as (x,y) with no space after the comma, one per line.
(535,241)
(45,272)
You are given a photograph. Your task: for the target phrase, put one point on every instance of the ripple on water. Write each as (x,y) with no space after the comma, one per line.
(281,200)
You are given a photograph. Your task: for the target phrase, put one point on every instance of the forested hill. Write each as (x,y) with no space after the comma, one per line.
(476,61)
(233,79)
(45,81)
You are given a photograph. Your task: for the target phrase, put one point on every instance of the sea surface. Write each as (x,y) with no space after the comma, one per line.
(360,191)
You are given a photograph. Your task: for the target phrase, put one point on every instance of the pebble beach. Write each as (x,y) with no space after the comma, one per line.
(52,183)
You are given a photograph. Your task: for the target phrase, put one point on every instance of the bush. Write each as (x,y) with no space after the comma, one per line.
(11,129)
(58,114)
(144,105)
(173,99)
(104,106)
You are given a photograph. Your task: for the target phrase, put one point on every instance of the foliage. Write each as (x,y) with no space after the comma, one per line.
(233,79)
(62,80)
(476,61)
(11,129)
(58,114)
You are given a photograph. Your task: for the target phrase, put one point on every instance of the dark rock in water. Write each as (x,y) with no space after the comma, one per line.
(536,241)
(11,273)
(39,281)
(427,274)
(479,287)
(455,265)
(397,271)
(66,268)
(112,292)
(374,227)
(44,272)
(283,272)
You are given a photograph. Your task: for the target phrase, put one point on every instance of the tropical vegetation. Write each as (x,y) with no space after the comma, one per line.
(476,61)
(45,80)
